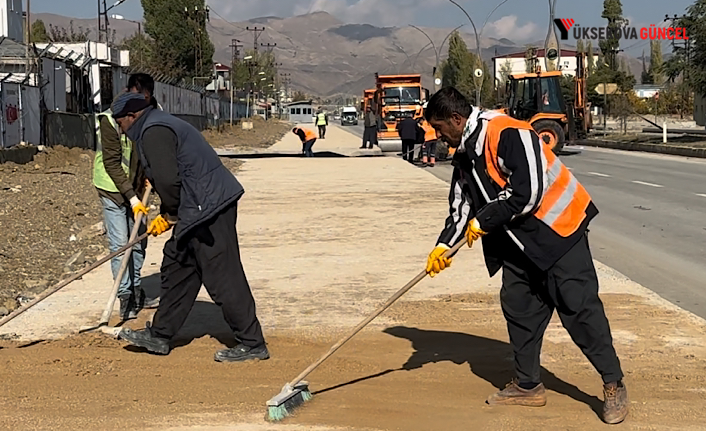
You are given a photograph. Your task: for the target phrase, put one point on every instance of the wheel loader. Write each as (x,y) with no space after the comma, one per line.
(537,98)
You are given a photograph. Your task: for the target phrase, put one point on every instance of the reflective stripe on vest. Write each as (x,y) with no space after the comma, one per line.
(309,135)
(101,179)
(563,200)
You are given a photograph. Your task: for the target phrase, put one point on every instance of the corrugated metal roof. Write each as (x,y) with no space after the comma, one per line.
(10,48)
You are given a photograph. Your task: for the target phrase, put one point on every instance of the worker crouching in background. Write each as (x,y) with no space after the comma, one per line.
(511,190)
(200,201)
(308,139)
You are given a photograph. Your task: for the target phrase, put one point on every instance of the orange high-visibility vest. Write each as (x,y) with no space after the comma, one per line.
(564,199)
(309,135)
(429,132)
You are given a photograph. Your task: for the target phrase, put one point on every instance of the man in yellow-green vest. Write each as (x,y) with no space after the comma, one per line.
(120,181)
(322,122)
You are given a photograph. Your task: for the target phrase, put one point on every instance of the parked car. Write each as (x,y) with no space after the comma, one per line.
(349,116)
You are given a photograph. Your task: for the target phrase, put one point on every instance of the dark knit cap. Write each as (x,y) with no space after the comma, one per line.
(127,103)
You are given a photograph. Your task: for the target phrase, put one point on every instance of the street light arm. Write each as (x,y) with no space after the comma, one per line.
(467,16)
(448,36)
(430,41)
(492,12)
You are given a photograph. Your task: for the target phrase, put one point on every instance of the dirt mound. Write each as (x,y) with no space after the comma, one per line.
(51,222)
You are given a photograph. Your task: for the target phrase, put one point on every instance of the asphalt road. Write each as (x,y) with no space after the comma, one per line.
(652,221)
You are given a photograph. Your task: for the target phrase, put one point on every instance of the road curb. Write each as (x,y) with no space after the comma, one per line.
(673,150)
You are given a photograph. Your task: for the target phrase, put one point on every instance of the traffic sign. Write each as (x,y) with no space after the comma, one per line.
(609,88)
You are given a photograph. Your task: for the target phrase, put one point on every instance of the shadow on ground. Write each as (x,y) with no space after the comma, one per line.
(486,357)
(205,319)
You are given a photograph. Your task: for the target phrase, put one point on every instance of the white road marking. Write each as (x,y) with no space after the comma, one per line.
(598,174)
(701,194)
(647,184)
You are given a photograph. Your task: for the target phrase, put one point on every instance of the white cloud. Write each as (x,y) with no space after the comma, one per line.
(508,27)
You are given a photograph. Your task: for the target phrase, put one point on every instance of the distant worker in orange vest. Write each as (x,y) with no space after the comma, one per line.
(509,189)
(308,138)
(429,145)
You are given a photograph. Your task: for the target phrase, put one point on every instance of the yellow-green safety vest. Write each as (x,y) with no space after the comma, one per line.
(101,179)
(321,119)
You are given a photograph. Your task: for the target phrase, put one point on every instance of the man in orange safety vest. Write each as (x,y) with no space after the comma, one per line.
(532,214)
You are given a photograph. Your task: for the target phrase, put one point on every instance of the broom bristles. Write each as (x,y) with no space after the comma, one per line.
(277,413)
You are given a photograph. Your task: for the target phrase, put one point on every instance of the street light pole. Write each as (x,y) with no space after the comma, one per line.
(436,52)
(478,49)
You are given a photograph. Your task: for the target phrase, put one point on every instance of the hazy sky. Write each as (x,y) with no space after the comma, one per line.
(518,20)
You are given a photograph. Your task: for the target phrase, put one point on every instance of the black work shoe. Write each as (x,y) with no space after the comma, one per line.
(144,338)
(128,309)
(615,407)
(241,353)
(144,303)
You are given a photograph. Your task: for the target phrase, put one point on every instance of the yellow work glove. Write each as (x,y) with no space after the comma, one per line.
(474,232)
(436,262)
(138,207)
(158,226)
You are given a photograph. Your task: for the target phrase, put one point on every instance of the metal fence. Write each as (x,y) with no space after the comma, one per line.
(70,130)
(20,118)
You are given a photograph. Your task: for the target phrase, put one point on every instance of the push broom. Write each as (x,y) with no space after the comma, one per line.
(296,392)
(105,317)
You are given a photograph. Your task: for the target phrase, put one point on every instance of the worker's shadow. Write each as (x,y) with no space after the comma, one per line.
(205,319)
(489,359)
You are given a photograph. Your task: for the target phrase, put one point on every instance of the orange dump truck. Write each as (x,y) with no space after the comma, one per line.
(396,97)
(368,99)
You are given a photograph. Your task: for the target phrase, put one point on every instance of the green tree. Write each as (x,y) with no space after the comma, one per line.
(693,68)
(39,32)
(458,67)
(181,41)
(142,55)
(256,73)
(70,35)
(579,46)
(299,96)
(505,71)
(591,65)
(645,77)
(613,12)
(656,62)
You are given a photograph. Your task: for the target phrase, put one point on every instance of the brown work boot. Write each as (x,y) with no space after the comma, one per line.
(615,405)
(514,395)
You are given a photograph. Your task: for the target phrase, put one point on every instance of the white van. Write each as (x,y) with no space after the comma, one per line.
(349,116)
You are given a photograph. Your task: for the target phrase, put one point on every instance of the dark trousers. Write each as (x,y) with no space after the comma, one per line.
(370,135)
(322,131)
(530,296)
(407,149)
(430,148)
(307,146)
(209,255)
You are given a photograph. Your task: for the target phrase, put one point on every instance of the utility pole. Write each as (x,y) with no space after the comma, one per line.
(197,17)
(234,55)
(257,31)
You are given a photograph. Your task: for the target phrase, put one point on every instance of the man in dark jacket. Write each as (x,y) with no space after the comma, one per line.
(408,129)
(370,134)
(199,200)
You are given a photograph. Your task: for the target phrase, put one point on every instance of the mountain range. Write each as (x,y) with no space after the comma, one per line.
(327,57)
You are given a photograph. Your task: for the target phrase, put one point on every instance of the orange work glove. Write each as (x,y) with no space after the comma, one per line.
(436,262)
(474,232)
(158,226)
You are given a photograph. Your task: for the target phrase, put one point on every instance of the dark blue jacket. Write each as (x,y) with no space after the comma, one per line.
(206,186)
